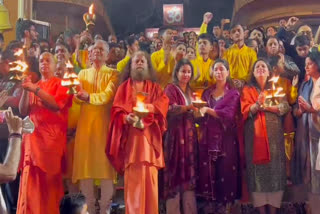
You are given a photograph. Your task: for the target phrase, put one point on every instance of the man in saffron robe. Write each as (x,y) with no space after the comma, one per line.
(138,152)
(47,103)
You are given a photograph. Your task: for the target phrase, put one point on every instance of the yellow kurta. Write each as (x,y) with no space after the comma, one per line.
(240,61)
(203,29)
(202,69)
(123,63)
(73,115)
(290,91)
(291,95)
(90,160)
(164,71)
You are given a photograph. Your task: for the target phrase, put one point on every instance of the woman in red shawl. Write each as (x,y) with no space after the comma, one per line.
(264,141)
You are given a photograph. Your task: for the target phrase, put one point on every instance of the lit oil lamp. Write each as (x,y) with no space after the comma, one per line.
(90,17)
(198,103)
(274,94)
(140,111)
(18,67)
(70,79)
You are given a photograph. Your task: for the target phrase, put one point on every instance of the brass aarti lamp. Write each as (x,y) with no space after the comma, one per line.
(90,17)
(140,111)
(70,79)
(274,94)
(198,103)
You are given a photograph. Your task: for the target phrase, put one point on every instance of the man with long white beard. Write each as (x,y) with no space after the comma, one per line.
(137,152)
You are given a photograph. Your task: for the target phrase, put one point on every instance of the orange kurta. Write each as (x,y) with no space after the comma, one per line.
(41,186)
(138,153)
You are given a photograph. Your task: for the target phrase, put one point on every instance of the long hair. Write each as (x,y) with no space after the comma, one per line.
(226,65)
(178,66)
(253,82)
(126,74)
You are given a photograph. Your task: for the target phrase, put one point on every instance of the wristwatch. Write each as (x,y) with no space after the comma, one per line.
(37,90)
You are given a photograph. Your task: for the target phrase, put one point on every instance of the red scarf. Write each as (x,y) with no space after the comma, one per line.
(261,150)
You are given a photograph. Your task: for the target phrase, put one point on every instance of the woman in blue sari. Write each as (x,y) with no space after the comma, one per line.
(307,135)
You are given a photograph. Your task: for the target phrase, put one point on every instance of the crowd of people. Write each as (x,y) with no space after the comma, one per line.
(227,117)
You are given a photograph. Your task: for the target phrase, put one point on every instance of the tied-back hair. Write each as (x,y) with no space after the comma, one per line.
(126,74)
(226,65)
(175,79)
(253,82)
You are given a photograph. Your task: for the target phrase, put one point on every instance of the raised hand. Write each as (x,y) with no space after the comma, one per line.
(225,21)
(14,122)
(295,81)
(207,17)
(292,21)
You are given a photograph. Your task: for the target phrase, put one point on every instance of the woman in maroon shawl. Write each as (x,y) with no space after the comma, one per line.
(180,143)
(218,148)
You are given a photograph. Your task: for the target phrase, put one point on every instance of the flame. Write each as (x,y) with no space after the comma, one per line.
(19,52)
(91,9)
(197,98)
(274,79)
(66,75)
(140,106)
(20,66)
(276,91)
(66,82)
(76,82)
(69,64)
(70,79)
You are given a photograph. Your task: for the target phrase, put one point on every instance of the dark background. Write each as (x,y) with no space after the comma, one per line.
(133,16)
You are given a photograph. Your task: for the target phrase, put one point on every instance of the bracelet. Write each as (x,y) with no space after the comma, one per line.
(37,90)
(17,135)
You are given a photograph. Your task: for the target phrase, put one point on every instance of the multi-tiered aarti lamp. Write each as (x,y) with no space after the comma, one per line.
(70,79)
(275,94)
(18,67)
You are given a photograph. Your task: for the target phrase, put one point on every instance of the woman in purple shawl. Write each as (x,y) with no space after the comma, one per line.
(218,147)
(180,143)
